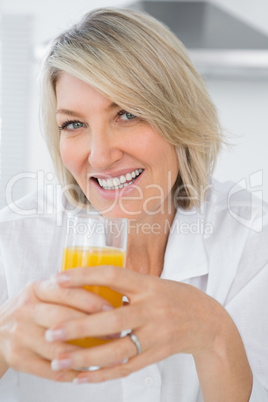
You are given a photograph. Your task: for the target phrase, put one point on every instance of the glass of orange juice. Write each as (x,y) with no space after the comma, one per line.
(93,240)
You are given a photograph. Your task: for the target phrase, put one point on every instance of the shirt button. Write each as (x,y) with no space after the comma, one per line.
(148,381)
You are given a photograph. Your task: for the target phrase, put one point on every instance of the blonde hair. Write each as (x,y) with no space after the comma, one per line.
(136,62)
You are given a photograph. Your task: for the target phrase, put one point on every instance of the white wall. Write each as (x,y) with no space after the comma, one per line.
(242,104)
(243,108)
(52,16)
(243,111)
(254,12)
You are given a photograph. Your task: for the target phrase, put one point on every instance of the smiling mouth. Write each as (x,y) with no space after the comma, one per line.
(116,183)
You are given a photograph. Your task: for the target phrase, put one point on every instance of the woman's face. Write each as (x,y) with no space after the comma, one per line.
(122,165)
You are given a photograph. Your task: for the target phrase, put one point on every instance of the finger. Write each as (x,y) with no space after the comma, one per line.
(36,344)
(122,280)
(29,362)
(42,368)
(99,324)
(109,354)
(120,370)
(82,299)
(49,315)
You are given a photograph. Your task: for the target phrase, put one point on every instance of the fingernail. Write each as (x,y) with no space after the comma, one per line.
(60,364)
(107,307)
(63,278)
(81,380)
(52,335)
(48,283)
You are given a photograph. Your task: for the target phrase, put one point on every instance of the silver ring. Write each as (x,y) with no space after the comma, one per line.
(136,341)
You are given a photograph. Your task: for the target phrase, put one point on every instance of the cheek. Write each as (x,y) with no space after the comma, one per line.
(70,156)
(168,159)
(171,168)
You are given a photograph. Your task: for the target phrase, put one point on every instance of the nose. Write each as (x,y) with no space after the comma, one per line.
(104,151)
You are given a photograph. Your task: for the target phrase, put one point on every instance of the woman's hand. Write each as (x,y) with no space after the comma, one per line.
(168,318)
(25,318)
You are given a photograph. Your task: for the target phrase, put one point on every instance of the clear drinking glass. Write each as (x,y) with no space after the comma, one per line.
(93,240)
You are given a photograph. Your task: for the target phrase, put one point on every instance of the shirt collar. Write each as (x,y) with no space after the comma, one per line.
(185,255)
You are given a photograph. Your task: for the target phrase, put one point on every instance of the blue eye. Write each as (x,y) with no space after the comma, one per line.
(125,116)
(76,125)
(71,125)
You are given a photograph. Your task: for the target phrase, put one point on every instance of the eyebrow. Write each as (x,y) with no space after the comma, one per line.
(67,112)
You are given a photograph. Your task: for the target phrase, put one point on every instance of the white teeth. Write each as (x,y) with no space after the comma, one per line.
(116,183)
(122,179)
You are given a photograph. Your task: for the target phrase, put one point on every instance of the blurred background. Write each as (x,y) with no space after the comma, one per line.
(227,40)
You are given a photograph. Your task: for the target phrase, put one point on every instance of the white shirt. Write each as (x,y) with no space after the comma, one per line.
(222,250)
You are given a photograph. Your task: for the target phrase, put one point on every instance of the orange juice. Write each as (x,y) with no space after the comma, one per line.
(92,257)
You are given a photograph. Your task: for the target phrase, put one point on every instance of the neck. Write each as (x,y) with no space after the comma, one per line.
(147,242)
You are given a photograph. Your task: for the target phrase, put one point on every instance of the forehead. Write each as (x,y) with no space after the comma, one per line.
(69,86)
(71,92)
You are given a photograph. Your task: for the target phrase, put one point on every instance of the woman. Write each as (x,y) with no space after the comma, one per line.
(133,133)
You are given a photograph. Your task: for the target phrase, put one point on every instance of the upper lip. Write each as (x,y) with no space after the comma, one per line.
(108,175)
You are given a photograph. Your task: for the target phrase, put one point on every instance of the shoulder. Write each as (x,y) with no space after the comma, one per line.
(240,228)
(241,207)
(38,204)
(35,203)
(19,209)
(38,212)
(228,209)
(31,235)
